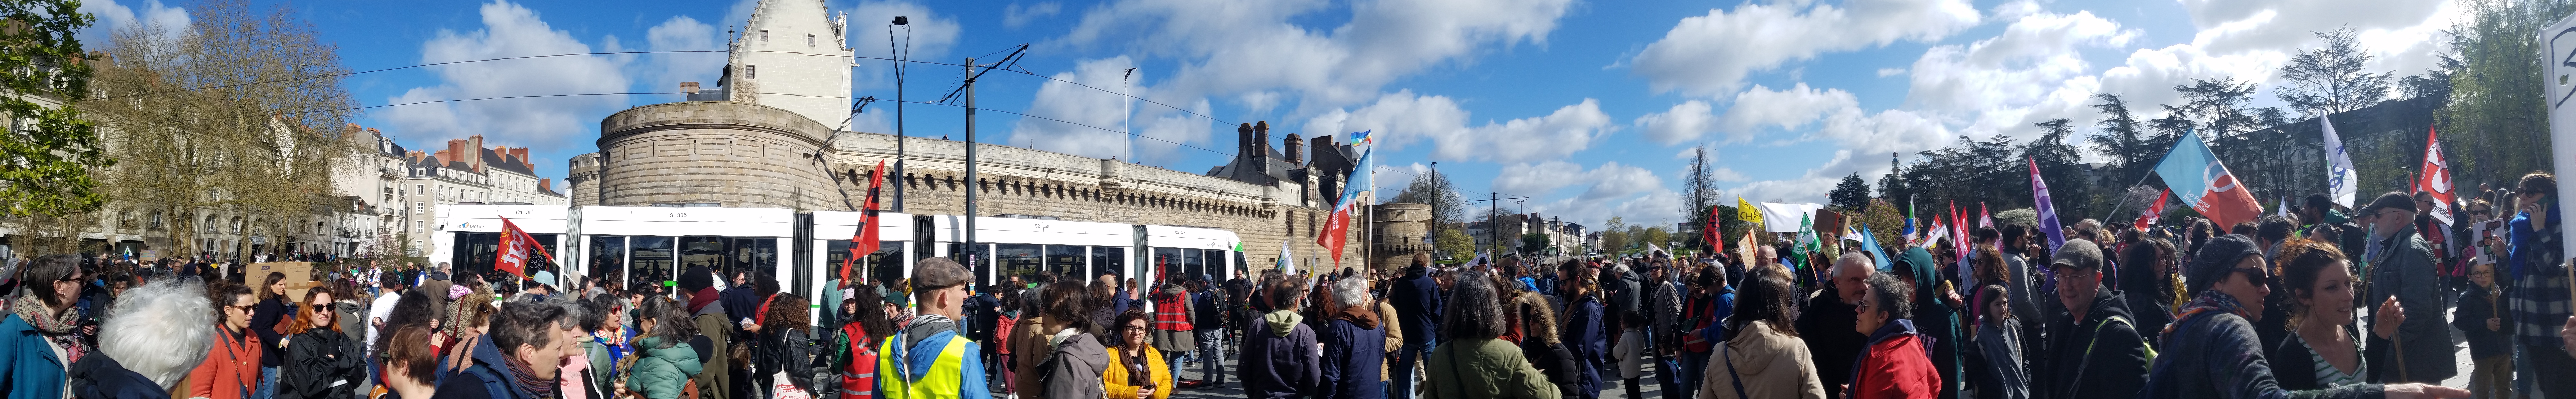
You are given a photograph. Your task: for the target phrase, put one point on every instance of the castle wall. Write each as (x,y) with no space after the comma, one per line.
(735,154)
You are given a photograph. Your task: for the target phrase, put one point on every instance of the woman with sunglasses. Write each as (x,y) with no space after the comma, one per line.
(231,369)
(2211,350)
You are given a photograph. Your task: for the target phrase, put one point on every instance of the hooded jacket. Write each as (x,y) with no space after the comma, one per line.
(1175,340)
(1770,364)
(1079,361)
(1281,360)
(1895,366)
(316,360)
(1542,349)
(1583,336)
(1935,320)
(489,375)
(1029,343)
(661,373)
(1354,346)
(1483,369)
(2214,353)
(714,324)
(2090,359)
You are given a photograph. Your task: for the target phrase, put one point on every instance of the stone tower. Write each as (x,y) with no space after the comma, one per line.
(790,55)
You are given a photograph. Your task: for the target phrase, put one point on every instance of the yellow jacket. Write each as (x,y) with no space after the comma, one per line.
(1115,379)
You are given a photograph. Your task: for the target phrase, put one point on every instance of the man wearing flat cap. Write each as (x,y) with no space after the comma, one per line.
(2399,266)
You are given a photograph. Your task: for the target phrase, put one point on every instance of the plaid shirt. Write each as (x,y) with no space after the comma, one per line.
(2539,299)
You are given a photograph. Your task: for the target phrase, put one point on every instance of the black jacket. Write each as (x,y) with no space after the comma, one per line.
(2475,307)
(263,320)
(98,377)
(2090,360)
(1828,325)
(1557,363)
(315,361)
(791,350)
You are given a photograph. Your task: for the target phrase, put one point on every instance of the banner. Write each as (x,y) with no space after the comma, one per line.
(1745,211)
(2204,183)
(2436,178)
(2154,211)
(512,256)
(1337,227)
(2048,223)
(864,240)
(1785,218)
(2341,176)
(2560,41)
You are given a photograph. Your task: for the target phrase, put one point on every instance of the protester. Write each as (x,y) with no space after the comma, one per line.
(1030,338)
(923,359)
(1471,362)
(2143,266)
(407,370)
(1762,356)
(513,361)
(664,361)
(1280,359)
(1173,333)
(783,356)
(320,361)
(864,327)
(602,345)
(2320,351)
(2490,346)
(1831,340)
(1535,320)
(1995,352)
(714,327)
(1354,344)
(2402,274)
(1417,306)
(1210,304)
(154,335)
(39,338)
(2100,353)
(2210,351)
(1584,332)
(1075,358)
(1135,371)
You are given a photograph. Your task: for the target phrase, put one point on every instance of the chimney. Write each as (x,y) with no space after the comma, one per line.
(1261,140)
(689,87)
(443,156)
(413,156)
(1295,148)
(548,184)
(474,155)
(1244,142)
(521,154)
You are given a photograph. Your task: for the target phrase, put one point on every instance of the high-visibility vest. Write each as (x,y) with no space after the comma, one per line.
(943,380)
(1171,313)
(859,378)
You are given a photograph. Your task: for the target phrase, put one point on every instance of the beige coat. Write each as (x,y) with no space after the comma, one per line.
(1773,364)
(1394,340)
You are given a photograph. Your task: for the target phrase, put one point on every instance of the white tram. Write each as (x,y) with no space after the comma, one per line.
(646,245)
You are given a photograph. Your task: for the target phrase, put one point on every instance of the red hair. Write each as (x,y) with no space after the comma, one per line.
(304,317)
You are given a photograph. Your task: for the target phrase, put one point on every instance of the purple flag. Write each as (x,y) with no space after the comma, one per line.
(2047,212)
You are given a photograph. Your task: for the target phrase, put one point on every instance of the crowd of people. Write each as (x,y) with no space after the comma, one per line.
(2319,304)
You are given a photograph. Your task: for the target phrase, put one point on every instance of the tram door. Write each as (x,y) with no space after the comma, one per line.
(727,255)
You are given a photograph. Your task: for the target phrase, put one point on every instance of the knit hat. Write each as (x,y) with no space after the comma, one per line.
(2217,258)
(2078,253)
(696,278)
(2390,200)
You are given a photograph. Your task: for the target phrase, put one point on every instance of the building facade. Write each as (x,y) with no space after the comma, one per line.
(465,172)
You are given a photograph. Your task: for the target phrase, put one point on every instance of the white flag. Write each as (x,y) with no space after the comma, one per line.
(2559,41)
(1286,264)
(2340,177)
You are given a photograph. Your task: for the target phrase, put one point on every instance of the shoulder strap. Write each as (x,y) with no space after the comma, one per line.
(1726,353)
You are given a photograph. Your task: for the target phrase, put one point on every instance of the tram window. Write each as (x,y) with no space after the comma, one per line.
(1238,266)
(889,253)
(1018,259)
(652,259)
(473,251)
(1193,262)
(982,260)
(1064,260)
(1170,260)
(608,257)
(752,254)
(1108,260)
(835,252)
(703,251)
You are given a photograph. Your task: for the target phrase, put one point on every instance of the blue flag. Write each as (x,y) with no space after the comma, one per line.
(1870,242)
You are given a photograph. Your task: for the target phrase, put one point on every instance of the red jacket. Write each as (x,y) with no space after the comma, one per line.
(1895,366)
(231,366)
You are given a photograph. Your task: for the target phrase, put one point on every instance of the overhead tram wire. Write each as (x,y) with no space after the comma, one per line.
(1013,62)
(1134,134)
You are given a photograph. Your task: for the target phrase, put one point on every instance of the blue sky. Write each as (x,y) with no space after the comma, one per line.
(1588,107)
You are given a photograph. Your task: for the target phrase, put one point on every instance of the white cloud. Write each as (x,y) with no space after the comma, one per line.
(114,18)
(510,30)
(1760,107)
(1075,104)
(932,35)
(1402,117)
(1538,178)
(1728,175)
(1886,72)
(1015,15)
(1613,189)
(665,71)
(1710,54)
(1684,122)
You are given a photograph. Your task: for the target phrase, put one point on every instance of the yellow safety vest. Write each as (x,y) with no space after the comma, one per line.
(943,381)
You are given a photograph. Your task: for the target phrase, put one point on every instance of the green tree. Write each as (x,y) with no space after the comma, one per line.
(2122,138)
(1434,189)
(2332,78)
(1657,236)
(1534,243)
(2496,122)
(1454,242)
(1614,234)
(2222,105)
(52,149)
(1851,194)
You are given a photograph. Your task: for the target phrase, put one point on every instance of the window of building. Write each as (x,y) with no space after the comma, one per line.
(418,207)
(764,35)
(418,226)
(809,40)
(750,71)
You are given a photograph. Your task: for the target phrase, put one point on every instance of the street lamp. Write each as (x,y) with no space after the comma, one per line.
(899,136)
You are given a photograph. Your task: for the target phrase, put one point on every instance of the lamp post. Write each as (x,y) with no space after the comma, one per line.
(899,136)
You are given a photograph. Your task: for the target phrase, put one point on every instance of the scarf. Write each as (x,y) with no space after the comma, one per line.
(56,329)
(699,300)
(542,388)
(2208,301)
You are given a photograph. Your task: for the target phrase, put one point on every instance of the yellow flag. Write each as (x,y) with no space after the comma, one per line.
(1746,212)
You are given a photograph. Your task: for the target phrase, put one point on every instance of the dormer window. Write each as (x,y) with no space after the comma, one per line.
(809,40)
(764,35)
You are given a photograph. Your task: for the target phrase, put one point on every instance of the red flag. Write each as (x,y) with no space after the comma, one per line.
(1984,219)
(1716,241)
(1958,226)
(2154,211)
(864,241)
(1335,227)
(2436,178)
(512,256)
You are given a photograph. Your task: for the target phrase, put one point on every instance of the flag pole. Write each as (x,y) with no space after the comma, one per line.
(2124,193)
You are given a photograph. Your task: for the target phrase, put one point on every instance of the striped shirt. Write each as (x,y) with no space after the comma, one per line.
(2327,375)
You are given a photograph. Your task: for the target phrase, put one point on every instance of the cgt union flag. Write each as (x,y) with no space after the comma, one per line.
(864,241)
(2437,178)
(2195,174)
(512,256)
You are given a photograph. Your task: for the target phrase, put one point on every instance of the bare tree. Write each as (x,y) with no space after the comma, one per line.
(2331,78)
(233,116)
(1701,182)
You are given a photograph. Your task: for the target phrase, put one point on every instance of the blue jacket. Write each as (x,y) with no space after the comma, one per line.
(1417,306)
(1352,353)
(28,366)
(487,378)
(1583,336)
(98,377)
